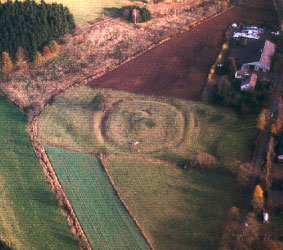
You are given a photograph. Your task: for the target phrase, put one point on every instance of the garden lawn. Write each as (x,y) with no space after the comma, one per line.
(29,215)
(178,209)
(102,216)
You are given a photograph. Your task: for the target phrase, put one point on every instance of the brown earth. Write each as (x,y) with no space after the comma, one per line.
(179,67)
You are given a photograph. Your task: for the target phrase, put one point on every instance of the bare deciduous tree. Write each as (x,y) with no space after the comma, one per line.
(135,15)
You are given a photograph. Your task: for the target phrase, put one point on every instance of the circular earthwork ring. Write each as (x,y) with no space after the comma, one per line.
(143,126)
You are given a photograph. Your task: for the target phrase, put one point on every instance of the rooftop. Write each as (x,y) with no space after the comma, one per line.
(250,80)
(251,52)
(268,52)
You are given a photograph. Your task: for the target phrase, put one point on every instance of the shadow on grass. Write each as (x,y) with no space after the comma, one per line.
(3,246)
(113,11)
(205,206)
(45,198)
(69,240)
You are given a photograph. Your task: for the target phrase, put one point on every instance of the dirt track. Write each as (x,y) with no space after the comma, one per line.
(179,67)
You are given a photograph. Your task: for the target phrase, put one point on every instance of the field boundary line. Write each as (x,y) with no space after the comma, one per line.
(152,46)
(101,161)
(56,187)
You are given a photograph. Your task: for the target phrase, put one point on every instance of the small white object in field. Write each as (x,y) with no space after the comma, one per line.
(265,217)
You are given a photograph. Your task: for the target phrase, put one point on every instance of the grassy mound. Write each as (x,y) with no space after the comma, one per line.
(173,130)
(29,215)
(154,125)
(178,209)
(102,216)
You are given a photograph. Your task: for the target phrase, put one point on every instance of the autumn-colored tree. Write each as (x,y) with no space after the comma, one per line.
(54,47)
(229,230)
(20,56)
(46,52)
(38,59)
(251,232)
(258,192)
(244,172)
(262,118)
(271,245)
(205,161)
(277,126)
(7,64)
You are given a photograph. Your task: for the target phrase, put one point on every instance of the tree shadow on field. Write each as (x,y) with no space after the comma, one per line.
(113,11)
(68,240)
(197,222)
(44,197)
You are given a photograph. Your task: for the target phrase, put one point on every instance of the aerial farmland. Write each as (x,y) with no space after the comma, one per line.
(108,140)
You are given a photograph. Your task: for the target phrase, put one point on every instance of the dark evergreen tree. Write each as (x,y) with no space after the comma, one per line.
(32,25)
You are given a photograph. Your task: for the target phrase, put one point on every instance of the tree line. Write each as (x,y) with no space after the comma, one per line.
(31,26)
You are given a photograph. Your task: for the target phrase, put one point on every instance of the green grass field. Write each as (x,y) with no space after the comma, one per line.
(103,218)
(88,10)
(167,129)
(29,215)
(178,209)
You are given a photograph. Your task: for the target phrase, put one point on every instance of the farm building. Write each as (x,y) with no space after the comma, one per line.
(249,83)
(252,32)
(255,55)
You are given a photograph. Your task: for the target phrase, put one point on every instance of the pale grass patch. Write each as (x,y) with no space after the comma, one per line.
(8,223)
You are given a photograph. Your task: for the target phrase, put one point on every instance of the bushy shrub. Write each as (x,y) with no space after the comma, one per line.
(205,161)
(258,204)
(244,172)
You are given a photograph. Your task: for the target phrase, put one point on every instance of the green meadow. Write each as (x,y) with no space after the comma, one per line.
(29,214)
(102,216)
(167,129)
(178,209)
(144,139)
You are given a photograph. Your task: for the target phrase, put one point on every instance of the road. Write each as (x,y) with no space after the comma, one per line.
(257,160)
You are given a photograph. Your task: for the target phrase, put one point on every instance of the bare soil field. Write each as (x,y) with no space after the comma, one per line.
(179,67)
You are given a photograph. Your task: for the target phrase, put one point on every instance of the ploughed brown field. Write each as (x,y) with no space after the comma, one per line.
(179,67)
